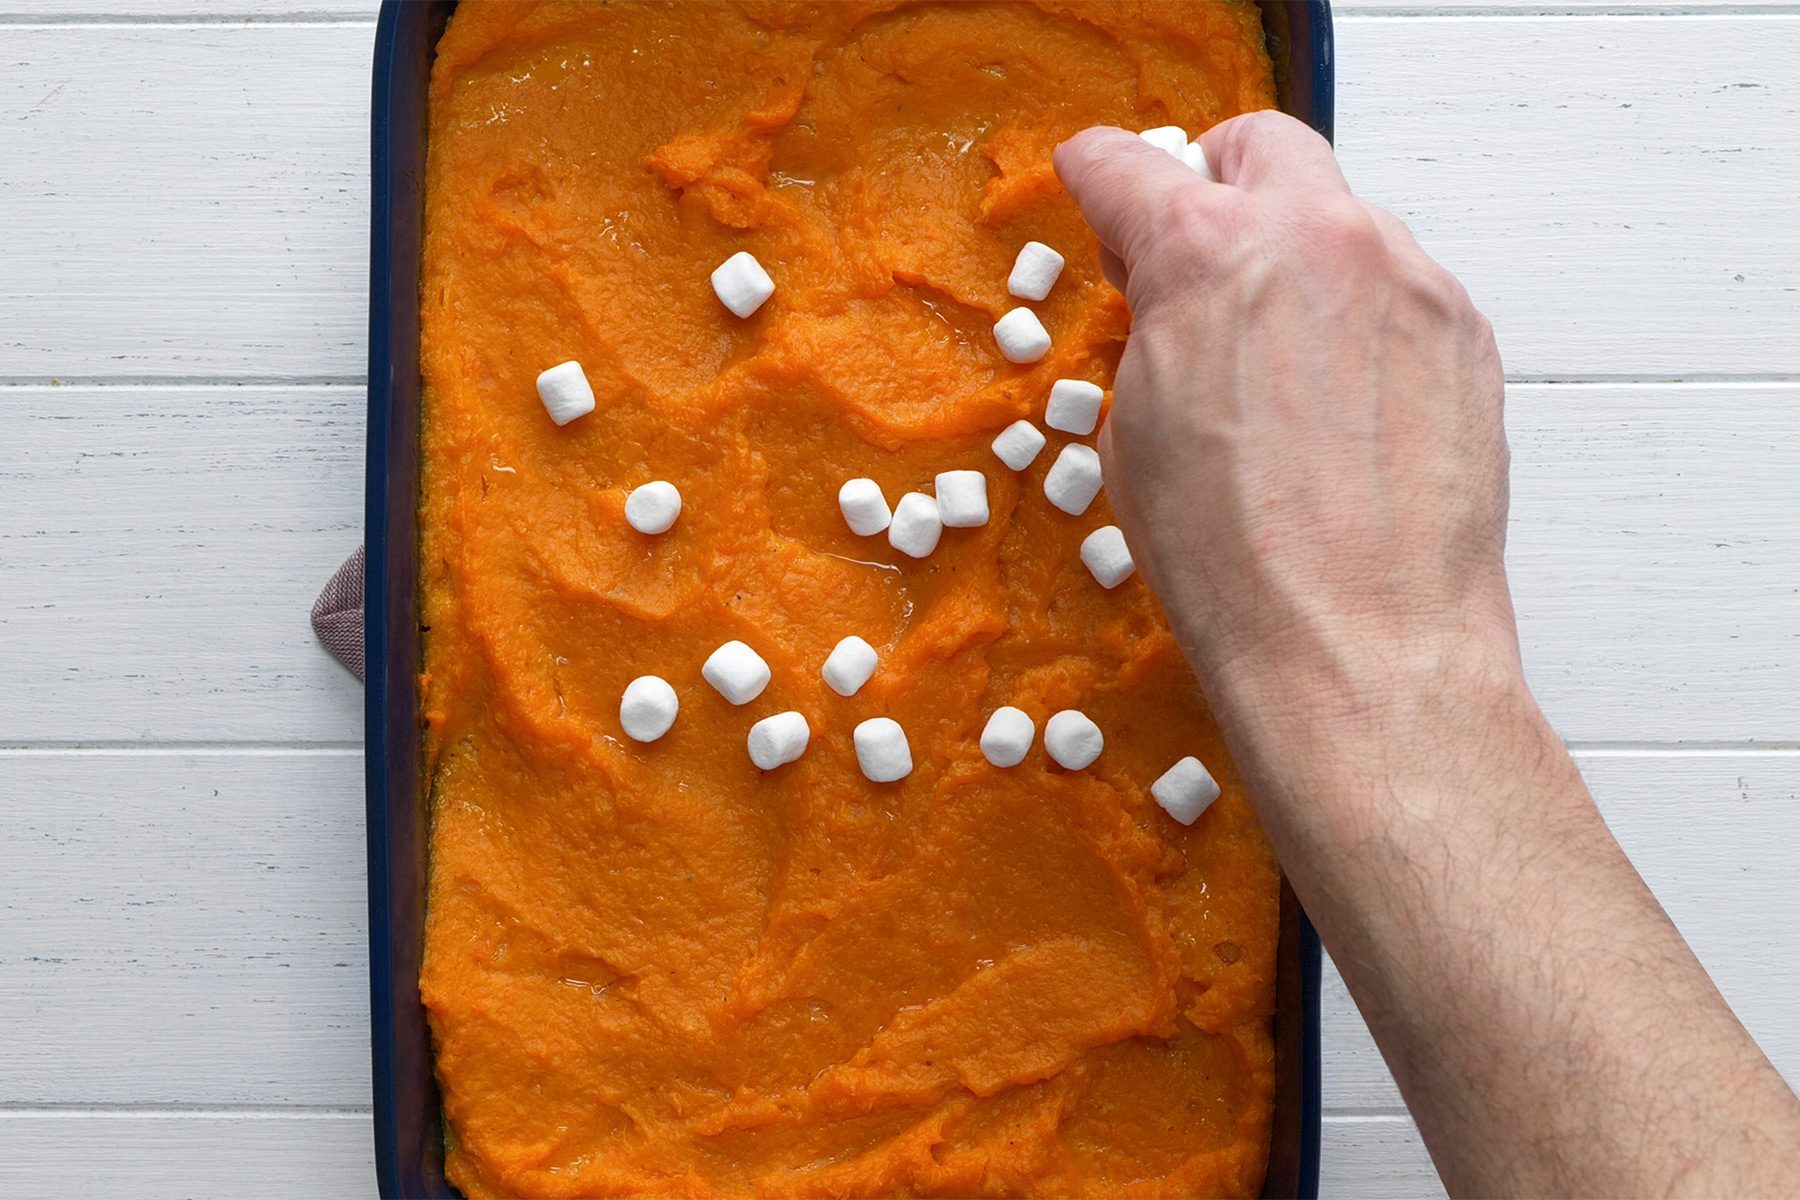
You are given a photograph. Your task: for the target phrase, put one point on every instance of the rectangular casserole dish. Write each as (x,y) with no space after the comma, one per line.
(408,1124)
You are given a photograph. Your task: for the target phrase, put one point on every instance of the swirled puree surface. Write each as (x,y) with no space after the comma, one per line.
(653,968)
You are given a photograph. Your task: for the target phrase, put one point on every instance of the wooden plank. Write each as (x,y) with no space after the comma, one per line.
(1612,191)
(160,549)
(1377,1156)
(173,11)
(307,1155)
(1613,222)
(222,893)
(187,1156)
(196,200)
(1713,836)
(1655,559)
(184,928)
(185,12)
(95,12)
(1553,8)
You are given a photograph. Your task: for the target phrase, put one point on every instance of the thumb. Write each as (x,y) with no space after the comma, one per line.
(1124,187)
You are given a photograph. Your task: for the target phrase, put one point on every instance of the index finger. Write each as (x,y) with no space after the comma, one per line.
(1123,186)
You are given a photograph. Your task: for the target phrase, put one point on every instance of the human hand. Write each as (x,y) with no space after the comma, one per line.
(1306,455)
(1305,448)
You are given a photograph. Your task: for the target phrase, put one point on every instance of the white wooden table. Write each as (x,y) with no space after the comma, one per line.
(183,236)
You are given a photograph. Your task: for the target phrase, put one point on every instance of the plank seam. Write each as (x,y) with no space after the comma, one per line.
(170,381)
(1395,11)
(317,19)
(1748,8)
(183,1112)
(1559,379)
(50,748)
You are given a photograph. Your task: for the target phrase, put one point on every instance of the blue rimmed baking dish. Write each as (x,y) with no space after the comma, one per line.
(409,1153)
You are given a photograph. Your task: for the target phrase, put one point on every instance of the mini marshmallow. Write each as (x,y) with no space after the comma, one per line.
(881,750)
(917,525)
(1018,444)
(741,283)
(1074,406)
(1022,337)
(865,509)
(648,708)
(1073,479)
(1034,272)
(1106,556)
(565,391)
(1195,158)
(736,672)
(1186,790)
(1007,737)
(962,499)
(1072,740)
(849,665)
(778,740)
(653,507)
(1169,138)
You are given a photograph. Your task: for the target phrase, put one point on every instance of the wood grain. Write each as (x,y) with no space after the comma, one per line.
(304,1156)
(184,928)
(221,893)
(160,549)
(188,1156)
(1614,190)
(1375,1155)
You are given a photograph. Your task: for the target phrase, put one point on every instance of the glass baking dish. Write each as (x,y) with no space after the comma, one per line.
(409,1158)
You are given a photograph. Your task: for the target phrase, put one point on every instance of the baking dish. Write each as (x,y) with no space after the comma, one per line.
(408,1126)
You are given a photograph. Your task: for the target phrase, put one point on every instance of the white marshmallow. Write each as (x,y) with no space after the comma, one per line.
(881,750)
(962,499)
(1034,272)
(741,284)
(778,740)
(1072,740)
(865,509)
(653,507)
(736,672)
(1106,556)
(1021,336)
(1073,479)
(1018,444)
(1074,406)
(1007,737)
(648,708)
(1195,158)
(849,665)
(1186,790)
(917,525)
(565,391)
(1169,138)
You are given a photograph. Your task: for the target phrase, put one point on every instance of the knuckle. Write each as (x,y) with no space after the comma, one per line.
(1256,125)
(1339,226)
(1443,293)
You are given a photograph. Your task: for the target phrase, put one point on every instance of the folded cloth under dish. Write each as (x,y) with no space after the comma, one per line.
(337,615)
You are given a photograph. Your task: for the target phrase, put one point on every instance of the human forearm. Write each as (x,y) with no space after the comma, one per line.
(1546,1023)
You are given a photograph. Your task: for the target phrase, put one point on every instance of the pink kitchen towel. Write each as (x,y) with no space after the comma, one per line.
(337,615)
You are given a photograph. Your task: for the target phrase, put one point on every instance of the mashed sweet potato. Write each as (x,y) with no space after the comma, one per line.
(652,968)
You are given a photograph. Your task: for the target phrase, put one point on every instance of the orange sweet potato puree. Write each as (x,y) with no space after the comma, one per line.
(653,969)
